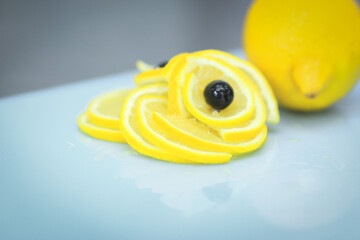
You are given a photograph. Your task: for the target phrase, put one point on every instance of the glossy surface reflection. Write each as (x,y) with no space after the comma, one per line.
(57,183)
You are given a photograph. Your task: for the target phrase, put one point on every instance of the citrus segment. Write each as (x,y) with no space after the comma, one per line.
(154,133)
(99,132)
(255,76)
(105,109)
(130,129)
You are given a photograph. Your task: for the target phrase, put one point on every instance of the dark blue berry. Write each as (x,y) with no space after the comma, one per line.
(219,94)
(162,64)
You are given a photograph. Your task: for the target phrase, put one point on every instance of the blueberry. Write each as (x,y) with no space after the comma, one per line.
(162,64)
(218,94)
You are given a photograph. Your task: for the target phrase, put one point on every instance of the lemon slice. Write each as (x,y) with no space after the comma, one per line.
(255,76)
(143,66)
(173,68)
(150,77)
(240,110)
(205,70)
(249,129)
(202,137)
(99,132)
(172,65)
(105,109)
(176,105)
(130,129)
(153,132)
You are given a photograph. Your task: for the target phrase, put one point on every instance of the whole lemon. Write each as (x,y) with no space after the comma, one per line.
(308,49)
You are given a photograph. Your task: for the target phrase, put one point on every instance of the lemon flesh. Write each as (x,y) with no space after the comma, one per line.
(105,109)
(154,133)
(239,110)
(249,129)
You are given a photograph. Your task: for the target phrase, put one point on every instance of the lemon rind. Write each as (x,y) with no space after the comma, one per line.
(99,132)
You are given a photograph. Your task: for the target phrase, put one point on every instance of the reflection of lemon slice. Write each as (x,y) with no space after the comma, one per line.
(249,129)
(240,110)
(129,124)
(154,133)
(149,77)
(255,76)
(105,109)
(97,131)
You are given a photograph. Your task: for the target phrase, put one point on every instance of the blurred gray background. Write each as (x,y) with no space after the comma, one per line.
(46,43)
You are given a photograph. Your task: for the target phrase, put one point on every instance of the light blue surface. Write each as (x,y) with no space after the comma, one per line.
(57,183)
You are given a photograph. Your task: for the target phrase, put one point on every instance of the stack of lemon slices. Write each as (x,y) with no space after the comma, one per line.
(173,114)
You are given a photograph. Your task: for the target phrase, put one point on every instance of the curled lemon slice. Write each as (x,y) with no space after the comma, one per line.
(105,109)
(240,110)
(255,76)
(130,129)
(157,135)
(188,87)
(173,64)
(99,132)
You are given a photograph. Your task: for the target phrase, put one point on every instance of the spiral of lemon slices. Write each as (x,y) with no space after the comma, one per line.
(202,107)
